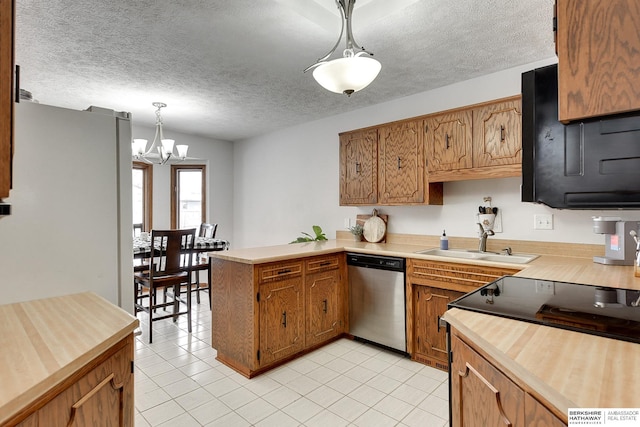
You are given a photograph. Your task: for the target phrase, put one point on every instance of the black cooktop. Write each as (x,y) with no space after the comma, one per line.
(609,312)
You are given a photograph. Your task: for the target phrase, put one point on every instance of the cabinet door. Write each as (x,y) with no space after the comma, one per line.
(104,396)
(448,140)
(431,339)
(598,44)
(537,415)
(481,395)
(497,134)
(6,89)
(401,163)
(281,319)
(359,167)
(324,306)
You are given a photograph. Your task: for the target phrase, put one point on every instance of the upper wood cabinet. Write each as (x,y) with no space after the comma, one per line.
(598,46)
(385,166)
(448,140)
(497,134)
(7,8)
(359,167)
(401,163)
(475,142)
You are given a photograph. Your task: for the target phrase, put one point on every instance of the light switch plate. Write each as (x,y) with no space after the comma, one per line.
(543,222)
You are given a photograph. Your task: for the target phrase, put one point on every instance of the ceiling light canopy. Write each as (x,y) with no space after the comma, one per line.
(355,70)
(161,149)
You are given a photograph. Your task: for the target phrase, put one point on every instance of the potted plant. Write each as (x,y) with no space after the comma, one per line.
(357,231)
(306,237)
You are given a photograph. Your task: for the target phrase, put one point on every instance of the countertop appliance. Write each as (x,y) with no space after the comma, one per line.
(619,246)
(587,164)
(377,299)
(608,312)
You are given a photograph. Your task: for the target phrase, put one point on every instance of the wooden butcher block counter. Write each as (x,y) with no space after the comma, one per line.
(66,361)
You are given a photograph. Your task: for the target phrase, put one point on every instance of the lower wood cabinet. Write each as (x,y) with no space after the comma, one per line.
(100,393)
(325,306)
(431,285)
(269,313)
(430,338)
(482,395)
(281,319)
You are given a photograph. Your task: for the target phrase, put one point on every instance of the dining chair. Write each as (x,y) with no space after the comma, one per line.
(207,230)
(169,269)
(202,263)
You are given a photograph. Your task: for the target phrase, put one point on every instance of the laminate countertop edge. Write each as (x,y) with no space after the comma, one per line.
(567,369)
(36,368)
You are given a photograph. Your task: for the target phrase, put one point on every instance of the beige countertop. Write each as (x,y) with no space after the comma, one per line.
(548,266)
(572,370)
(567,369)
(44,341)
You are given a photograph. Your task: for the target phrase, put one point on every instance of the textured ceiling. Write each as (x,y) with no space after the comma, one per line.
(233,69)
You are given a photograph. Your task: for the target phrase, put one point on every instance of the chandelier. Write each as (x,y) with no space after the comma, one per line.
(355,70)
(161,150)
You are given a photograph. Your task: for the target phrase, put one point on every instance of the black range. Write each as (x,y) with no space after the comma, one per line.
(604,311)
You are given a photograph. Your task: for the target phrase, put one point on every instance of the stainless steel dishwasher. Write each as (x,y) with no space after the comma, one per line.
(377,299)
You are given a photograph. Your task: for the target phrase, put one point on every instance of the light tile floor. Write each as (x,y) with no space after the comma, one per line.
(178,382)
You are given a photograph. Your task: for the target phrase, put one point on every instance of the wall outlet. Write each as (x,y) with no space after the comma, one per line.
(543,222)
(545,287)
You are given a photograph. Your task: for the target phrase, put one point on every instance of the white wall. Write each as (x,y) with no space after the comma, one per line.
(288,180)
(218,157)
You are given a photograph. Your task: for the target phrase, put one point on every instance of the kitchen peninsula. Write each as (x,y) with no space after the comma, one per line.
(242,279)
(66,361)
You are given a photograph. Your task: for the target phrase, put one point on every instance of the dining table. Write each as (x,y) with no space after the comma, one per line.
(142,245)
(142,250)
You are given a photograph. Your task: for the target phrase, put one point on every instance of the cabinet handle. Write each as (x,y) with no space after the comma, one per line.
(502,133)
(325,263)
(399,163)
(324,303)
(438,323)
(284,319)
(285,271)
(446,140)
(357,167)
(17,87)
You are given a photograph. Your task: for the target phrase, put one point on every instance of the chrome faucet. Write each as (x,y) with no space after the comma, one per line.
(482,244)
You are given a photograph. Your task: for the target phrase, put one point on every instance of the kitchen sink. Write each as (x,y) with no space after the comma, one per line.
(484,256)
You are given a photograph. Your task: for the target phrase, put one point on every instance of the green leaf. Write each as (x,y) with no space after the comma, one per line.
(306,237)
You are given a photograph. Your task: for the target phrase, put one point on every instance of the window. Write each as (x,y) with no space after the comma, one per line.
(142,184)
(188,196)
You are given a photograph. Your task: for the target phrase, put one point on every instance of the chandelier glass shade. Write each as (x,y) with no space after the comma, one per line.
(354,71)
(161,149)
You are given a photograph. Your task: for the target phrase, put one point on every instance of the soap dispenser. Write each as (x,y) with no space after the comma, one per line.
(444,241)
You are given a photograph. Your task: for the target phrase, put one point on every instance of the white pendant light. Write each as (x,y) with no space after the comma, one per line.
(352,72)
(161,149)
